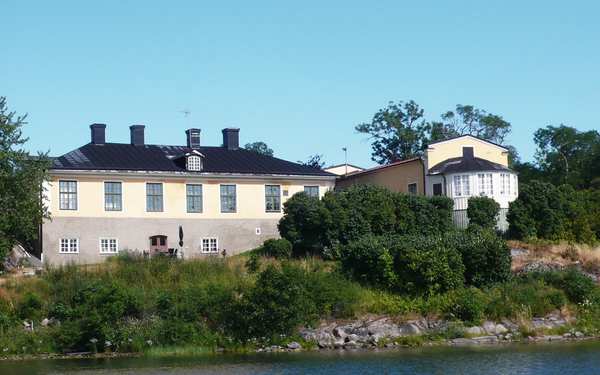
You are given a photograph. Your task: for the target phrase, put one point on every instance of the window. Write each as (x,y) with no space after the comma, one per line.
(112,196)
(228,199)
(154,197)
(194,163)
(69,246)
(312,191)
(67,195)
(412,188)
(194,198)
(504,183)
(485,184)
(462,186)
(437,189)
(109,246)
(210,245)
(272,198)
(515,185)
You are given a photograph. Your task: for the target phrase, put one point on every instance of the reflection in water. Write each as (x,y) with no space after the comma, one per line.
(563,359)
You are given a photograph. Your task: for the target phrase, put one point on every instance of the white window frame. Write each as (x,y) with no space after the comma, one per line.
(461,185)
(312,187)
(209,248)
(70,241)
(193,163)
(102,251)
(76,194)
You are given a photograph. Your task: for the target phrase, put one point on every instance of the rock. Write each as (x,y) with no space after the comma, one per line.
(351,345)
(352,337)
(474,331)
(46,322)
(382,328)
(554,338)
(486,339)
(339,332)
(567,335)
(463,341)
(489,327)
(410,329)
(500,329)
(294,345)
(324,340)
(579,334)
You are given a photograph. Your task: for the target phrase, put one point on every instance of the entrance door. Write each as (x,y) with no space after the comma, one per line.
(158,243)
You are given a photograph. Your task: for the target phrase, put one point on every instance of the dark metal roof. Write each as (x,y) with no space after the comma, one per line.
(119,156)
(462,164)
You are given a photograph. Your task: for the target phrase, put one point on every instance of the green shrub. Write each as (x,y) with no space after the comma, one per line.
(30,307)
(304,224)
(278,303)
(277,248)
(485,255)
(468,305)
(577,286)
(509,299)
(369,260)
(483,212)
(551,212)
(426,265)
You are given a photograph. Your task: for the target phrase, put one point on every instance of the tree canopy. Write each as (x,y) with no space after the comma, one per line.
(21,178)
(314,161)
(259,147)
(400,130)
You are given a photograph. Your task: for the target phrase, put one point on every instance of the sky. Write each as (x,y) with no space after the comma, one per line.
(296,75)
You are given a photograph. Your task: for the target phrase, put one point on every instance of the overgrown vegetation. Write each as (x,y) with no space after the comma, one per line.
(483,212)
(546,211)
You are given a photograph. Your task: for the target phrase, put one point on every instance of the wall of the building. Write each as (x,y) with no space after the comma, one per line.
(341,170)
(133,226)
(453,148)
(395,178)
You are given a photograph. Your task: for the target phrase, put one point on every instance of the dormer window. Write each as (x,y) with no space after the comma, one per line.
(193,163)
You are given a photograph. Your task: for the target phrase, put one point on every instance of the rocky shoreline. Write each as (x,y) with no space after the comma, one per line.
(385,332)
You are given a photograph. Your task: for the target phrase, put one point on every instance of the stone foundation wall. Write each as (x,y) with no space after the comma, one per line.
(234,235)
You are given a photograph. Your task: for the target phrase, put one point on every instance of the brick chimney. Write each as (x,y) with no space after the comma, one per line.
(98,134)
(231,138)
(137,135)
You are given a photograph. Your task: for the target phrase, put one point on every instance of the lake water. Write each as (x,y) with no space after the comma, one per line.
(562,358)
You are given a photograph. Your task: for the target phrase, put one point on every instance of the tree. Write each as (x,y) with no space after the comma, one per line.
(314,161)
(566,155)
(259,147)
(467,119)
(398,132)
(21,178)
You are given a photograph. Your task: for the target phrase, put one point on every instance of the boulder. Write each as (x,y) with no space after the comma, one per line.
(489,327)
(500,329)
(294,345)
(474,331)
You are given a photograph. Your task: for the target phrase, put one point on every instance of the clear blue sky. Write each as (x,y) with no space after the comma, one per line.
(298,75)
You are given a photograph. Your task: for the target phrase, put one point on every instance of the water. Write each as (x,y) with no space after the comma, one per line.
(562,358)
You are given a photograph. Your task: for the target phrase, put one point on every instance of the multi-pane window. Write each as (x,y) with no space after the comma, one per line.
(210,245)
(113,196)
(154,197)
(109,246)
(67,195)
(228,199)
(462,186)
(69,245)
(486,186)
(515,185)
(272,198)
(412,188)
(312,191)
(194,163)
(504,183)
(194,197)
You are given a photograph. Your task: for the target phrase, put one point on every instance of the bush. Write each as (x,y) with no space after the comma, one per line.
(507,300)
(277,248)
(370,261)
(545,211)
(577,286)
(468,305)
(485,255)
(30,307)
(304,224)
(483,212)
(426,265)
